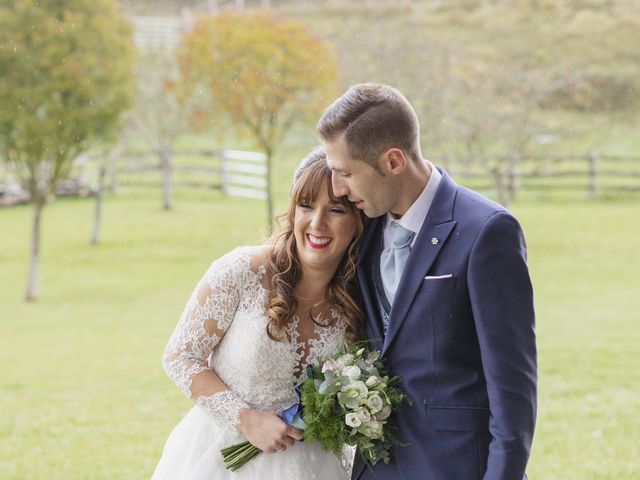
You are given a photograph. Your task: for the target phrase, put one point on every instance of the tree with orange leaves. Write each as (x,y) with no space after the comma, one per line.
(265,73)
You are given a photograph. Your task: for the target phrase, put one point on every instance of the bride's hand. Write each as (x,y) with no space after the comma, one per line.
(267,431)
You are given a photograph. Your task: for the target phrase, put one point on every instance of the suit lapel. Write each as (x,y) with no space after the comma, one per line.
(431,239)
(369,298)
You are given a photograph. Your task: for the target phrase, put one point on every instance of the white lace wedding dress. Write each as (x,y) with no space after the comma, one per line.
(260,373)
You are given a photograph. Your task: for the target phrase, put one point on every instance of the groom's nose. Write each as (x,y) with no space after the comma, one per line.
(339,187)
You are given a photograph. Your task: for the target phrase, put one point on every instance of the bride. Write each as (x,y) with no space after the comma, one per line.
(255,320)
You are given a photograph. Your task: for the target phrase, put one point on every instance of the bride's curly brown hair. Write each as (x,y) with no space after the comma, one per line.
(283,265)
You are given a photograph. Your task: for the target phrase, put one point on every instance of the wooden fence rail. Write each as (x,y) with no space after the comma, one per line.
(591,173)
(243,173)
(235,172)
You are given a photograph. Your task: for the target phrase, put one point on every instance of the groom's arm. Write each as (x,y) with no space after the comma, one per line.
(502,302)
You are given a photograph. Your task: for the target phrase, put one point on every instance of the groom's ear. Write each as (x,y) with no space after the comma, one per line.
(395,161)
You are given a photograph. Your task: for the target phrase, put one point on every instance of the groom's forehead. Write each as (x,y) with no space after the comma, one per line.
(333,161)
(340,160)
(337,147)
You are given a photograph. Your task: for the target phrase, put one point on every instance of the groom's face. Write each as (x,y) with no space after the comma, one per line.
(356,179)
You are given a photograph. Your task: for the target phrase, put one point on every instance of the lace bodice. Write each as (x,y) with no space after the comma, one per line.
(223,327)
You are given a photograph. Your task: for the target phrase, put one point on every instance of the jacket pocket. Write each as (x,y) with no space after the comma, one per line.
(458,419)
(438,284)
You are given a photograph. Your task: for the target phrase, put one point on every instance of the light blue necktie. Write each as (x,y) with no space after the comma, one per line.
(393,259)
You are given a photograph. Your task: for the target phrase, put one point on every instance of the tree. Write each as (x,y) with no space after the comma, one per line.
(161,112)
(264,73)
(493,120)
(65,78)
(490,79)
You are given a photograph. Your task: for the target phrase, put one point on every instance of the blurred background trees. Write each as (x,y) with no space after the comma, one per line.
(65,79)
(513,95)
(499,86)
(263,75)
(491,79)
(161,114)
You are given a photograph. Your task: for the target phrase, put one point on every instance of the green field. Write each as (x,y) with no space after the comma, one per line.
(84,396)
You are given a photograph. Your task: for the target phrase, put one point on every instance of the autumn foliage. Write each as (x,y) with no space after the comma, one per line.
(265,73)
(65,80)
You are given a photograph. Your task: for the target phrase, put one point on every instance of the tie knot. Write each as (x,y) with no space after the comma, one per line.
(400,236)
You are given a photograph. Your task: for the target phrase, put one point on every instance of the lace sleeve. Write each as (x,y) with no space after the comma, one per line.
(203,323)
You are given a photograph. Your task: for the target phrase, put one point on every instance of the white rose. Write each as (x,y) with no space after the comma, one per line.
(351,372)
(352,420)
(384,413)
(364,415)
(375,403)
(376,428)
(344,360)
(371,429)
(372,381)
(357,392)
(330,365)
(363,391)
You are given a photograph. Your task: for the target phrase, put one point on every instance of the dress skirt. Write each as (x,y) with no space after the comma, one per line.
(192,452)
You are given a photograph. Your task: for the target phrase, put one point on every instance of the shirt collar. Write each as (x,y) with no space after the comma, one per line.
(417,212)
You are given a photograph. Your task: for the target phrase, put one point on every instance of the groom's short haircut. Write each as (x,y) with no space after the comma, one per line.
(373,118)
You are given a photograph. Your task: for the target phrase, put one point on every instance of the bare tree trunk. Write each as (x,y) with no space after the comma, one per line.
(112,166)
(98,214)
(167,174)
(498,178)
(34,260)
(447,163)
(593,175)
(512,187)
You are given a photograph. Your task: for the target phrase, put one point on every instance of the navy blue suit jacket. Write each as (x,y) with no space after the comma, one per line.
(463,344)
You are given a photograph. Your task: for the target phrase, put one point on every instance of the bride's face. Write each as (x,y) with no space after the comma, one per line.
(323,229)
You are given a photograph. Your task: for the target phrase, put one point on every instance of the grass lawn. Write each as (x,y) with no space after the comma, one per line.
(84,396)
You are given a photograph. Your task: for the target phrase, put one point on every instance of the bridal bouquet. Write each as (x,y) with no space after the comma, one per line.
(346,399)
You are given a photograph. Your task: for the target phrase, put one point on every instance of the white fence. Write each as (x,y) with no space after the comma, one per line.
(235,172)
(244,174)
(166,32)
(158,32)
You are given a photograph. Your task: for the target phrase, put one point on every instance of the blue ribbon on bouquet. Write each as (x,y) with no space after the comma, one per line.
(294,415)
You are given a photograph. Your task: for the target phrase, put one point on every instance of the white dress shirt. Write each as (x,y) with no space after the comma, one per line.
(414,217)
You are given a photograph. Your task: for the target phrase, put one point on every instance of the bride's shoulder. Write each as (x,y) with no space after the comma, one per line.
(254,258)
(259,258)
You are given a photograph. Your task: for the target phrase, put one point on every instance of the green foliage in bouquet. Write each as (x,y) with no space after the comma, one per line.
(322,423)
(348,399)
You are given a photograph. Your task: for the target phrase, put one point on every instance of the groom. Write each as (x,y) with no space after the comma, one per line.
(446,289)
